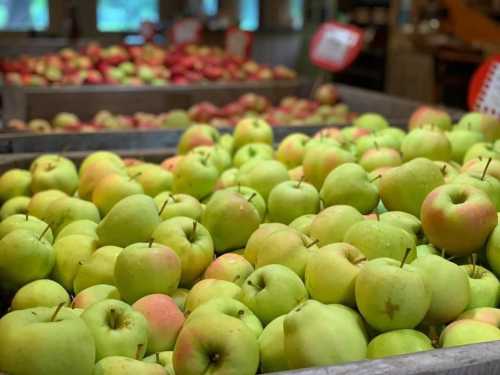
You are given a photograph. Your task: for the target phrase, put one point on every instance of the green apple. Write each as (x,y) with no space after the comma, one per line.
(303,224)
(450,288)
(403,220)
(230,307)
(197,135)
(24,256)
(59,174)
(84,227)
(137,211)
(253,197)
(117,329)
(13,206)
(375,158)
(372,121)
(351,133)
(69,258)
(450,218)
(14,183)
(290,200)
(195,175)
(478,167)
(192,243)
(322,335)
(112,189)
(67,209)
(488,184)
(217,155)
(142,269)
(94,173)
(225,207)
(427,142)
(40,293)
(230,267)
(425,115)
(252,130)
(399,342)
(207,289)
(40,202)
(272,347)
(481,122)
(178,205)
(349,184)
(262,175)
(468,331)
(152,178)
(386,307)
(119,365)
(493,251)
(164,319)
(488,315)
(461,140)
(331,273)
(377,141)
(296,174)
(426,249)
(164,359)
(100,155)
(226,141)
(272,291)
(320,161)
(322,141)
(404,188)
(331,224)
(291,149)
(258,239)
(227,178)
(179,296)
(98,268)
(25,222)
(448,170)
(484,287)
(216,343)
(252,152)
(94,294)
(45,341)
(482,150)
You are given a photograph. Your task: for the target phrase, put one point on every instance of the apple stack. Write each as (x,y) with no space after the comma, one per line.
(236,258)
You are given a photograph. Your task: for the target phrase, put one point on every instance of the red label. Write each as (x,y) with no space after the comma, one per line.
(239,42)
(484,88)
(187,31)
(335,46)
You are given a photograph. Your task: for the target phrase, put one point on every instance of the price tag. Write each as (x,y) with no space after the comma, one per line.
(187,31)
(239,42)
(335,46)
(484,88)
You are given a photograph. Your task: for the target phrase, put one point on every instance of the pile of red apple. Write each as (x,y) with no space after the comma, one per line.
(136,65)
(324,109)
(234,257)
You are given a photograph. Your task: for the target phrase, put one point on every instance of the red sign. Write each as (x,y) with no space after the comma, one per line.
(335,46)
(239,42)
(187,31)
(484,88)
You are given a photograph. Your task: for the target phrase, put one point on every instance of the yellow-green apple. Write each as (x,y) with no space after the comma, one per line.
(385,307)
(493,250)
(164,321)
(331,273)
(153,178)
(216,343)
(488,315)
(349,184)
(332,224)
(376,141)
(65,210)
(322,335)
(259,238)
(98,268)
(448,170)
(375,158)
(217,155)
(178,205)
(230,267)
(225,207)
(458,218)
(207,289)
(426,249)
(137,211)
(164,359)
(326,94)
(449,285)
(195,175)
(488,184)
(272,347)
(94,294)
(192,243)
(484,286)
(321,141)
(179,296)
(296,174)
(119,365)
(95,172)
(65,120)
(197,135)
(40,293)
(425,115)
(396,134)
(24,256)
(487,124)
(226,141)
(230,307)
(59,174)
(291,149)
(252,152)
(271,291)
(303,224)
(478,166)
(468,331)
(262,175)
(117,329)
(351,133)
(40,202)
(142,269)
(14,183)
(482,150)
(371,121)
(25,222)
(83,227)
(403,220)
(290,199)
(13,206)
(112,189)
(461,140)
(227,178)
(69,258)
(252,130)
(100,155)
(398,342)
(426,142)
(45,341)
(252,196)
(404,188)
(320,161)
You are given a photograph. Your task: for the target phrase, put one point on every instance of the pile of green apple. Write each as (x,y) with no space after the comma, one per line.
(234,257)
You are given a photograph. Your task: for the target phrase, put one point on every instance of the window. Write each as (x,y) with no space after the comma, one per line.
(125,15)
(210,7)
(24,15)
(249,15)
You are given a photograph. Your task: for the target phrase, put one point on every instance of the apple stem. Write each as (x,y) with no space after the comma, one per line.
(251,197)
(193,231)
(433,335)
(443,253)
(443,169)
(403,261)
(157,356)
(239,187)
(112,318)
(27,216)
(150,243)
(473,261)
(312,244)
(375,143)
(486,168)
(163,206)
(133,177)
(377,215)
(376,178)
(249,282)
(58,308)
(138,352)
(300,181)
(44,231)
